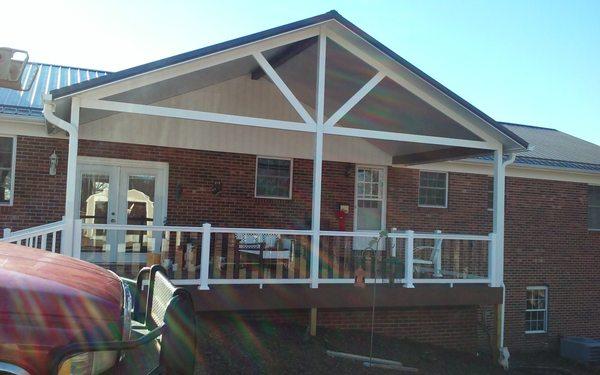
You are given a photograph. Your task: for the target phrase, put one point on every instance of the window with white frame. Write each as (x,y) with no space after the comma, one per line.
(594,207)
(536,313)
(7,166)
(369,198)
(433,189)
(273,178)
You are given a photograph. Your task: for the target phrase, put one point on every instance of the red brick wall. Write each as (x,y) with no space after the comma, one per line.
(38,197)
(452,327)
(547,241)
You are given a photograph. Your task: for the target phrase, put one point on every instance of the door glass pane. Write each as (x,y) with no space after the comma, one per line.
(368,215)
(94,210)
(140,211)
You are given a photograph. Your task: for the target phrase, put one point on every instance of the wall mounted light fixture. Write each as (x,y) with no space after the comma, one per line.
(53,163)
(217,187)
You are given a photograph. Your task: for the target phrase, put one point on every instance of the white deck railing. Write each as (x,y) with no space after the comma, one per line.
(43,237)
(450,259)
(403,257)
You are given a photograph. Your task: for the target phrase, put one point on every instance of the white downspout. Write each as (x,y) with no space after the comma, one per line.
(504,354)
(72,129)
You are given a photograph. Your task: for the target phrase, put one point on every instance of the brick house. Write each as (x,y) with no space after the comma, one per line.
(260,169)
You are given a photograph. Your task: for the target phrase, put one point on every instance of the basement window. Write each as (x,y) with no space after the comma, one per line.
(536,313)
(273,178)
(594,207)
(433,189)
(7,169)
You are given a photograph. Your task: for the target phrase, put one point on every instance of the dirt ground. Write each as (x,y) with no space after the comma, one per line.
(236,347)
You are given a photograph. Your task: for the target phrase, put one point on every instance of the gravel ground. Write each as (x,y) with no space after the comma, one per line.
(236,347)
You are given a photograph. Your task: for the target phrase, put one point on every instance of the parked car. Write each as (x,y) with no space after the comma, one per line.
(66,316)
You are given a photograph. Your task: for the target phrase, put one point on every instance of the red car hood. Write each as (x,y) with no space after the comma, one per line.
(40,282)
(48,300)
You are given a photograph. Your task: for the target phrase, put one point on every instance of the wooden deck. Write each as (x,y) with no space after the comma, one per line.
(280,297)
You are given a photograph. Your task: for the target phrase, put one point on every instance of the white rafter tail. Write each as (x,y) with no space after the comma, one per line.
(357,97)
(405,137)
(187,114)
(285,90)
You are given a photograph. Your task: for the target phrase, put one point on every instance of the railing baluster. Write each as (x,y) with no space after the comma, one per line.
(54,234)
(44,243)
(437,255)
(408,259)
(205,257)
(77,239)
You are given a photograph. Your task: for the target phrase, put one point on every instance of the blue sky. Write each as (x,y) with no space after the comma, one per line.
(531,62)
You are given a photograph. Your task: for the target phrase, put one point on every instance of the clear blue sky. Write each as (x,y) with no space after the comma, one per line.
(532,62)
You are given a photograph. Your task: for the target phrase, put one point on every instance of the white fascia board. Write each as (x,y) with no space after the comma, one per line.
(195,64)
(485,167)
(19,125)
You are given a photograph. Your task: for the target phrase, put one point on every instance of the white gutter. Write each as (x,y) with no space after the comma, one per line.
(73,131)
(48,111)
(504,354)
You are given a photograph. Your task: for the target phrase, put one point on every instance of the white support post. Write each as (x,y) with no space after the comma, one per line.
(318,166)
(68,232)
(204,257)
(77,238)
(408,259)
(498,222)
(6,233)
(437,255)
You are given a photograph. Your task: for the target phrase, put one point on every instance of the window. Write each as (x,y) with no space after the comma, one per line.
(594,207)
(536,314)
(7,166)
(433,189)
(369,198)
(273,178)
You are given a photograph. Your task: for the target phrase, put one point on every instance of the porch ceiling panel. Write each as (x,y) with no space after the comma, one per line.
(390,107)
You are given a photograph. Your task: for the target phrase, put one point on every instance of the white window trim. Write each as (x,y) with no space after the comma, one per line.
(289,197)
(545,289)
(12,170)
(588,219)
(419,190)
(383,197)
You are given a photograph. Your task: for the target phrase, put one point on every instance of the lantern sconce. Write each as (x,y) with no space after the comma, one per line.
(53,163)
(217,187)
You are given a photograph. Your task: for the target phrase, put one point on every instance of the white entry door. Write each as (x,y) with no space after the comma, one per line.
(369,203)
(117,192)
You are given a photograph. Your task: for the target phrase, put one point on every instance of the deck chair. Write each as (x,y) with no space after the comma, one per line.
(268,249)
(434,261)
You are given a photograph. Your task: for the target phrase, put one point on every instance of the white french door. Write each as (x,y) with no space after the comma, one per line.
(120,192)
(369,203)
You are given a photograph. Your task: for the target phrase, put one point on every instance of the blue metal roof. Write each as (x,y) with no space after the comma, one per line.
(48,78)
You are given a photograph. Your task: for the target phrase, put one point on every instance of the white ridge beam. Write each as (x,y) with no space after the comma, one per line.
(187,114)
(357,97)
(285,90)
